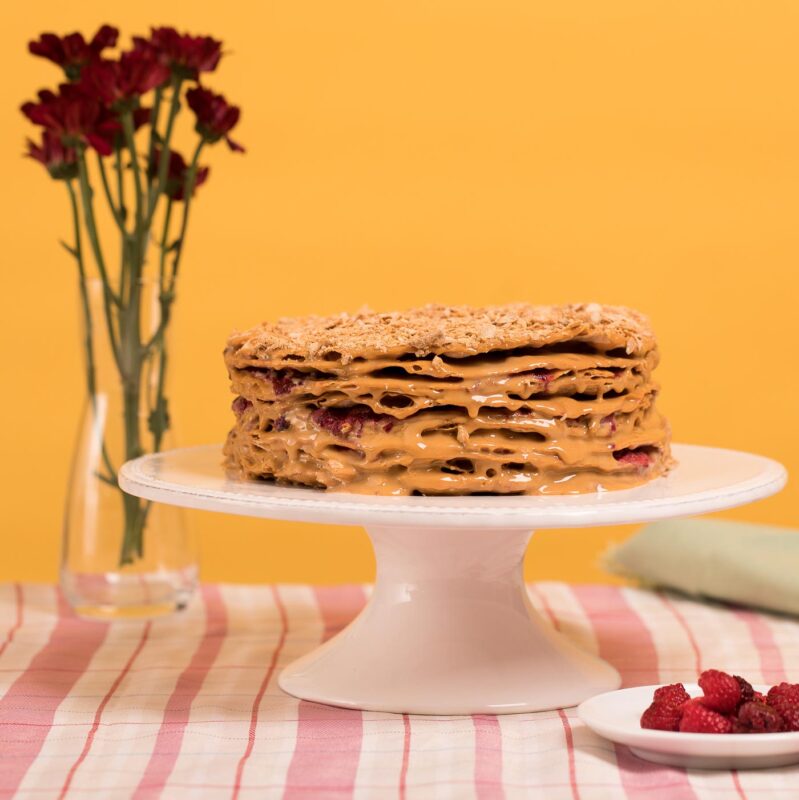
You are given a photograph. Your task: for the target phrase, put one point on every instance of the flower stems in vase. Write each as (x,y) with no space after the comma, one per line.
(109,147)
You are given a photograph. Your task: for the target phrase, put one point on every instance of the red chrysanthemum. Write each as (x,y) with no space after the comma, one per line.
(118,83)
(72,52)
(75,118)
(185,55)
(176,174)
(60,160)
(215,117)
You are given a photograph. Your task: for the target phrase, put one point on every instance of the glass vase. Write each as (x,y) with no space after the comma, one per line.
(123,556)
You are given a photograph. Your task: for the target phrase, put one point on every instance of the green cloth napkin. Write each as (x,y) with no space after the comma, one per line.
(751,565)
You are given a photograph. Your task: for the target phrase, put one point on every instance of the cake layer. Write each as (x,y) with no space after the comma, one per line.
(494,380)
(455,454)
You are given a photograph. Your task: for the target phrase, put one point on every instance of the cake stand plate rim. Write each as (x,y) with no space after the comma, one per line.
(706,479)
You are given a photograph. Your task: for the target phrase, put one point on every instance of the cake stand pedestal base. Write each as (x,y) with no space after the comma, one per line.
(449,629)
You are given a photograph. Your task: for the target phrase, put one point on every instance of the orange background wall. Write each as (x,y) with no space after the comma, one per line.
(450,150)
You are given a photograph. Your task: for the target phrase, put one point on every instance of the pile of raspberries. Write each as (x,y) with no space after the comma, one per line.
(729,704)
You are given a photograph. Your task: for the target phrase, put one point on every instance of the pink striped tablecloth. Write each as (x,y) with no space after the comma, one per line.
(188,706)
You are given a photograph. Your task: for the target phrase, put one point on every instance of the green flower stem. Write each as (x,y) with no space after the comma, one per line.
(123,212)
(141,364)
(131,350)
(91,226)
(127,127)
(133,534)
(188,189)
(162,285)
(158,187)
(156,347)
(109,296)
(120,170)
(167,287)
(109,197)
(164,245)
(155,113)
(127,354)
(91,370)
(131,375)
(159,416)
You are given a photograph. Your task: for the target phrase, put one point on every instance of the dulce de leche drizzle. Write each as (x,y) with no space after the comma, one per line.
(567,417)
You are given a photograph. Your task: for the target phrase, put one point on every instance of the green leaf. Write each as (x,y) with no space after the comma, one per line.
(71,250)
(106,479)
(158,421)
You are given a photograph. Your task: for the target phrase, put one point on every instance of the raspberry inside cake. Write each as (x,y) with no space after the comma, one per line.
(515,399)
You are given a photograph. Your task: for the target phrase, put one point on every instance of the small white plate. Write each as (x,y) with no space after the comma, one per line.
(617,716)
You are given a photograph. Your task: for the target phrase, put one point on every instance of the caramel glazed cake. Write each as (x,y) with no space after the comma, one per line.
(515,399)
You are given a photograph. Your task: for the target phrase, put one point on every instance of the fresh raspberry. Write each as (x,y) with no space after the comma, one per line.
(283,380)
(791,716)
(747,692)
(544,375)
(784,697)
(722,691)
(698,718)
(638,458)
(610,420)
(349,422)
(759,697)
(672,696)
(759,718)
(660,717)
(240,405)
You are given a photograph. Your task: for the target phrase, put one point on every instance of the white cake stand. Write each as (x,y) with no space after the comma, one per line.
(449,628)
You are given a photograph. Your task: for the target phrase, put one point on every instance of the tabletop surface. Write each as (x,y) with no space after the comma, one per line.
(188,705)
(706,479)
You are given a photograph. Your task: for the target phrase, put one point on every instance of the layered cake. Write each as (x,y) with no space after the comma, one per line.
(515,399)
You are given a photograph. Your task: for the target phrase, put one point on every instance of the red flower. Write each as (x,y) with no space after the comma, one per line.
(118,83)
(60,160)
(215,118)
(71,52)
(74,118)
(185,55)
(176,176)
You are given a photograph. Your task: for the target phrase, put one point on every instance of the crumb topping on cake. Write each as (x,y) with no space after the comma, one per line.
(445,330)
